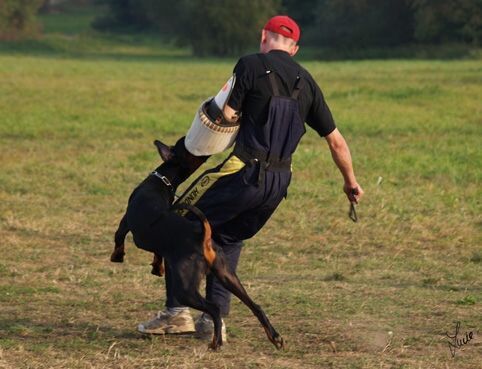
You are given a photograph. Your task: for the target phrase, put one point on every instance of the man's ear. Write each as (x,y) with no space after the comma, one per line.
(294,50)
(164,150)
(263,43)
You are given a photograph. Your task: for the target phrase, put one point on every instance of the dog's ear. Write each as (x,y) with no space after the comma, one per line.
(165,151)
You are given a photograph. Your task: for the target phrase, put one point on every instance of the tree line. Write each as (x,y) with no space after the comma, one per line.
(230,27)
(227,27)
(17,19)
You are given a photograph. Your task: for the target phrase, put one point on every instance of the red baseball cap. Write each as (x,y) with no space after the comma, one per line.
(285,26)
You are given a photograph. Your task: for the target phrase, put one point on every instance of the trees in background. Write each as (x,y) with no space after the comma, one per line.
(367,23)
(230,27)
(210,27)
(125,15)
(447,20)
(360,23)
(17,19)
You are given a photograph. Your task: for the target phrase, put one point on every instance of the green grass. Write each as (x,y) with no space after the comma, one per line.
(76,129)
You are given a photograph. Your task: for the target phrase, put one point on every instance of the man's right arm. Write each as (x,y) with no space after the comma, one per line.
(341,155)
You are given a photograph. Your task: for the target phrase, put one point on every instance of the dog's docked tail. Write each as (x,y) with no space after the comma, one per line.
(209,252)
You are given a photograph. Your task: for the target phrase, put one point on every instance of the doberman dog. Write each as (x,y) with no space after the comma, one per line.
(187,248)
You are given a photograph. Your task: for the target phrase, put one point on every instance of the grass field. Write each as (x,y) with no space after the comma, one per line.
(77,119)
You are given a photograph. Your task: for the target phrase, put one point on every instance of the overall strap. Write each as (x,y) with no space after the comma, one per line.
(270,73)
(300,82)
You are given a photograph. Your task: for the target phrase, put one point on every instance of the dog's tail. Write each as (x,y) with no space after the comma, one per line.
(209,252)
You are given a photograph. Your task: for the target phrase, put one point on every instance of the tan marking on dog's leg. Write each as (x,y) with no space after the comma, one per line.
(209,252)
(157,267)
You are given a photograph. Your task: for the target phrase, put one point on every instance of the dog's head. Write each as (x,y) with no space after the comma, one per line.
(179,155)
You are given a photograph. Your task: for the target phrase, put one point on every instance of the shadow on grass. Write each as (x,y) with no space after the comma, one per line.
(23,329)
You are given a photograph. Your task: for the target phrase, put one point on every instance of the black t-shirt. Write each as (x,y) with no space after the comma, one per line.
(252,91)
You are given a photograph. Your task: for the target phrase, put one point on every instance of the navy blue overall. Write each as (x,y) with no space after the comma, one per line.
(240,195)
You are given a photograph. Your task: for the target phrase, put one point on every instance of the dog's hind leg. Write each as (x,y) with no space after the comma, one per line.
(231,282)
(187,276)
(196,301)
(119,239)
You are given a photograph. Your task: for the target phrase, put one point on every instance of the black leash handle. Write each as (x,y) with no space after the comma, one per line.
(352,214)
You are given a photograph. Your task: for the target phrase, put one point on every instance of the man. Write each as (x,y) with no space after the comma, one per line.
(274,96)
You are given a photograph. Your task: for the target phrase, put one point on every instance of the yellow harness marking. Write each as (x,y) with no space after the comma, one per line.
(203,183)
(231,166)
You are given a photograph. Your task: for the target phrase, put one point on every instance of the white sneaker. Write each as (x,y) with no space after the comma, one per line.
(164,322)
